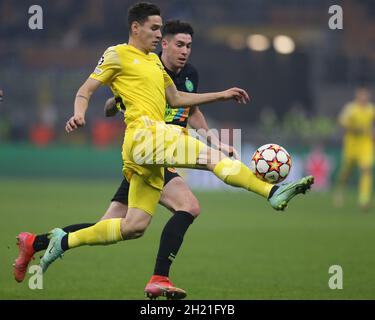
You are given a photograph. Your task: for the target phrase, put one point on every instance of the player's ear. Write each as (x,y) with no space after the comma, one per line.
(134,27)
(164,43)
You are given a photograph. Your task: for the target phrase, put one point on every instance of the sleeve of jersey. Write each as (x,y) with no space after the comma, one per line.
(108,66)
(167,79)
(344,117)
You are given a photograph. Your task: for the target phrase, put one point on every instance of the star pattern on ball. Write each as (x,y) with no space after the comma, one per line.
(275,147)
(257,156)
(271,163)
(274,165)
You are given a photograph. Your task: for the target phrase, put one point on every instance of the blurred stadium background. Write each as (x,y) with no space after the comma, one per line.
(298,83)
(296,96)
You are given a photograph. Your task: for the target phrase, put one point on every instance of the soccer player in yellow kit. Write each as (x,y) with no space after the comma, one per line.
(357,119)
(136,75)
(176,196)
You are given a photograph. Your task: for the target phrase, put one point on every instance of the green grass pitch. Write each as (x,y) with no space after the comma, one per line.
(239,248)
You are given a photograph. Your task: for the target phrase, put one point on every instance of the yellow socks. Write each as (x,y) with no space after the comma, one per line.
(102,233)
(365,186)
(236,174)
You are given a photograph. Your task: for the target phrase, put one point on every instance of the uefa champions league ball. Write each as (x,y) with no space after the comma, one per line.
(271,163)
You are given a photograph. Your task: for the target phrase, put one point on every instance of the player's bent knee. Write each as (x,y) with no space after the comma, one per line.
(194,208)
(115,210)
(190,204)
(134,232)
(134,229)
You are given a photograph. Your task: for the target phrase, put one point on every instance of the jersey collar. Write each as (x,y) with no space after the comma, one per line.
(138,51)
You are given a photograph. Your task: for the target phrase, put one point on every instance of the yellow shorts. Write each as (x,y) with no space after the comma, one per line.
(142,195)
(146,151)
(360,152)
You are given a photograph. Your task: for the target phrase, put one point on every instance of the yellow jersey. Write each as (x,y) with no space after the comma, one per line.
(358,121)
(139,79)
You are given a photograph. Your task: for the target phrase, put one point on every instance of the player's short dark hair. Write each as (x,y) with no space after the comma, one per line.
(173,27)
(141,11)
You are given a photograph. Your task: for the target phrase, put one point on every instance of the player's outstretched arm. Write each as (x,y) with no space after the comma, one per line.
(81,104)
(178,99)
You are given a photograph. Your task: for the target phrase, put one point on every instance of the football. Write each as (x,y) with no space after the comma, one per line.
(271,163)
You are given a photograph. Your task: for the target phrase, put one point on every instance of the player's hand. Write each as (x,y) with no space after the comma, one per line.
(237,94)
(110,108)
(229,150)
(74,123)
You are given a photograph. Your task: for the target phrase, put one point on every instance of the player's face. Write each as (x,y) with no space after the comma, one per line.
(149,33)
(363,96)
(177,49)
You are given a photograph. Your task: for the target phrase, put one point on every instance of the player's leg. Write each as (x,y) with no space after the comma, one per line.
(29,244)
(119,203)
(237,174)
(365,187)
(346,168)
(117,209)
(188,152)
(345,171)
(176,194)
(178,198)
(365,178)
(349,159)
(142,203)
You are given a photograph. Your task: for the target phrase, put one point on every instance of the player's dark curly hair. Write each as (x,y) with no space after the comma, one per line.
(173,27)
(141,11)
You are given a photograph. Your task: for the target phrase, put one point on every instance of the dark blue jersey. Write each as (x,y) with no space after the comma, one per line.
(186,80)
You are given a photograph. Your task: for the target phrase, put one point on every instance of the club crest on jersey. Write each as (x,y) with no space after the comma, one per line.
(189,85)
